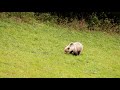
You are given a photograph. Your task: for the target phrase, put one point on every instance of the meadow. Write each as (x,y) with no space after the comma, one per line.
(36,50)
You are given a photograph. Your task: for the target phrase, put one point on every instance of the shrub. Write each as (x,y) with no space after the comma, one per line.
(46,17)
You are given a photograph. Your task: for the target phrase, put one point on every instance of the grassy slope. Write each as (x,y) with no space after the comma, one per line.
(36,50)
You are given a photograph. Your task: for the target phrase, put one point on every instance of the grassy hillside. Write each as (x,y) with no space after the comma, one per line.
(36,50)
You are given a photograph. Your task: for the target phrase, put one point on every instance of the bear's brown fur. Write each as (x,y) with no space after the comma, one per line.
(74,48)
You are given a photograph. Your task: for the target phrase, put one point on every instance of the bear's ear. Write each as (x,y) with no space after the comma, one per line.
(71,43)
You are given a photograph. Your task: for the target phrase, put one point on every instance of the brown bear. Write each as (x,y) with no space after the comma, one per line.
(74,48)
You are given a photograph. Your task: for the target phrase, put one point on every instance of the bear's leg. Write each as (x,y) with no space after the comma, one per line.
(74,53)
(78,52)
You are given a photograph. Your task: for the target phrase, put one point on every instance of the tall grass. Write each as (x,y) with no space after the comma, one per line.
(93,23)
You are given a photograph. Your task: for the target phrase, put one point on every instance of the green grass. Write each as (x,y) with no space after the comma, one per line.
(30,50)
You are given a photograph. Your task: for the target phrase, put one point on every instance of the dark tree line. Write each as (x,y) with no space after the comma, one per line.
(86,15)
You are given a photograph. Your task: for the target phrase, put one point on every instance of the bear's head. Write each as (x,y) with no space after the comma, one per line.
(67,48)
